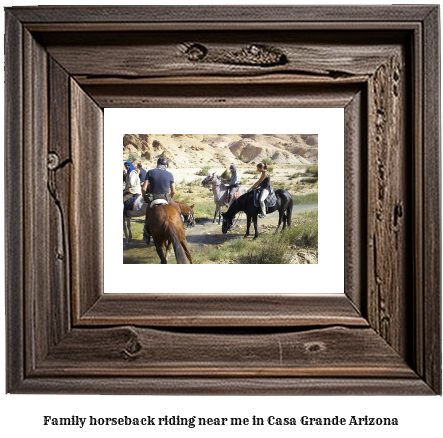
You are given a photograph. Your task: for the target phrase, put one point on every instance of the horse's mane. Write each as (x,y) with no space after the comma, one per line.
(239,204)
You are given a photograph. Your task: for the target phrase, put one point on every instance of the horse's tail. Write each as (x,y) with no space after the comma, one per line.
(289,211)
(178,251)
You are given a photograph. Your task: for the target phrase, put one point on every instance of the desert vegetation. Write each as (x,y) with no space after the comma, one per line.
(292,162)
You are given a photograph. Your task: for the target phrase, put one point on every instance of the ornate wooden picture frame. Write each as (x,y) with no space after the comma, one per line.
(64,65)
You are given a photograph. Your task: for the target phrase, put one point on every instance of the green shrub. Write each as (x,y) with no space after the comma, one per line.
(274,252)
(304,234)
(267,161)
(204,210)
(226,174)
(310,198)
(203,171)
(312,171)
(309,180)
(132,157)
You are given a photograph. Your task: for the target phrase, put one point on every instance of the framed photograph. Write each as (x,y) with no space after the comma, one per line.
(377,330)
(193,158)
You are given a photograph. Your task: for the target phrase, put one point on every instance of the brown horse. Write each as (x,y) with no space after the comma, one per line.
(166,228)
(187,212)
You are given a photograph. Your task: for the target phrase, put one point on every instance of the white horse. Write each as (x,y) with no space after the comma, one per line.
(219,190)
(139,210)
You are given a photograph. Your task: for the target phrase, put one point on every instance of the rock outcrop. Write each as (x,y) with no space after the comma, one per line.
(220,150)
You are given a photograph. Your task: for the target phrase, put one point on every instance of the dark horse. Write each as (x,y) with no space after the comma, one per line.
(166,228)
(246,203)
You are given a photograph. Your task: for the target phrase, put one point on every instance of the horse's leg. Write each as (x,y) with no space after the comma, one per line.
(215,214)
(168,246)
(124,229)
(128,224)
(255,227)
(281,216)
(284,221)
(220,209)
(161,253)
(289,213)
(248,225)
(185,247)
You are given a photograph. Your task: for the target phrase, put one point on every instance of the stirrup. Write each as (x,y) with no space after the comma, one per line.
(262,216)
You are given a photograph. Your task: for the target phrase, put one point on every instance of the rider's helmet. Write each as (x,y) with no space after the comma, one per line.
(232,167)
(163,161)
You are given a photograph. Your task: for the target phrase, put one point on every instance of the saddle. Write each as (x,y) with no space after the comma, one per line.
(270,200)
(236,195)
(159,201)
(154,199)
(130,203)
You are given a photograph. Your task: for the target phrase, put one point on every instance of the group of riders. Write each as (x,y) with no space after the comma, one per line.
(159,183)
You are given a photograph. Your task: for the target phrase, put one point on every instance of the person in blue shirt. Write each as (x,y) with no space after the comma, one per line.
(141,173)
(160,183)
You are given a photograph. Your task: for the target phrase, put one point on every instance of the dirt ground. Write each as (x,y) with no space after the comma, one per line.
(206,236)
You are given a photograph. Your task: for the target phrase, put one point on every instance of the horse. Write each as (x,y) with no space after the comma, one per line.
(187,212)
(219,190)
(246,203)
(139,210)
(166,229)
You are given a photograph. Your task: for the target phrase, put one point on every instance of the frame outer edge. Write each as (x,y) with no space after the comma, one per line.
(221,13)
(431,314)
(14,268)
(431,318)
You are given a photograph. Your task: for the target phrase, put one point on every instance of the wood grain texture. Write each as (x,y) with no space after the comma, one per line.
(240,310)
(38,305)
(129,351)
(59,169)
(64,335)
(14,239)
(222,14)
(226,96)
(355,187)
(431,316)
(160,55)
(226,386)
(86,235)
(388,202)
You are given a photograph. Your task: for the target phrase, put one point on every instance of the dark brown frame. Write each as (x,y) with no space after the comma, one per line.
(380,63)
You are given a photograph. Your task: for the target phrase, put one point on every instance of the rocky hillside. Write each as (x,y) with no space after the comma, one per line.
(220,150)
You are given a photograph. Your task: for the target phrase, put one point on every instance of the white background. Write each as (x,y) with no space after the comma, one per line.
(22,414)
(328,123)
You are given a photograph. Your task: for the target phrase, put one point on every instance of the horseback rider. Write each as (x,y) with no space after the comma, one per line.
(265,184)
(158,183)
(234,183)
(141,173)
(132,187)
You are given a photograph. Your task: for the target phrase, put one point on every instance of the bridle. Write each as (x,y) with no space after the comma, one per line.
(191,220)
(208,182)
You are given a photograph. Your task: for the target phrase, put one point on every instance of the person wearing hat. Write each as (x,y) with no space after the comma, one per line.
(132,186)
(160,183)
(234,183)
